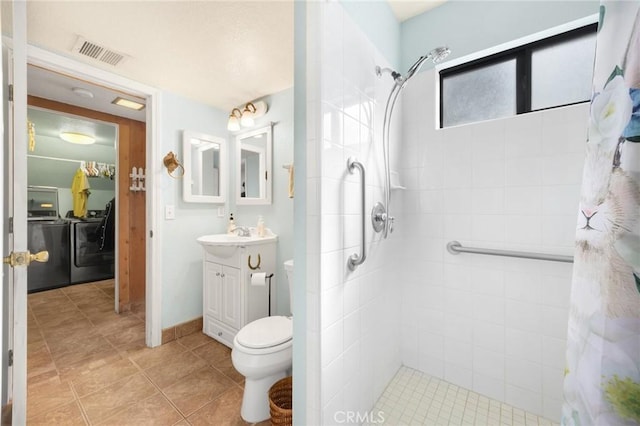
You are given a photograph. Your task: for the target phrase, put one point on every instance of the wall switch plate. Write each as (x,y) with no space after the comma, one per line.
(221,211)
(169,212)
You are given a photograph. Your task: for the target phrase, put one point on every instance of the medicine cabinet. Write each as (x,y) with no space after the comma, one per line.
(253,167)
(205,168)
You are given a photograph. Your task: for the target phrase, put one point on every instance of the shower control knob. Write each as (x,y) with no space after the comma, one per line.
(378,217)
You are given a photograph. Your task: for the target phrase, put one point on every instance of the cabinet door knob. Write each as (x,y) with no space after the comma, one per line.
(220,333)
(222,275)
(217,274)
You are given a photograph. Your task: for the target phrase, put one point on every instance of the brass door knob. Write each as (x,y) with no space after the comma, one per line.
(25,258)
(41,256)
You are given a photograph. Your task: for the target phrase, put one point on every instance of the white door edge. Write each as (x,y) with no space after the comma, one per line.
(153,170)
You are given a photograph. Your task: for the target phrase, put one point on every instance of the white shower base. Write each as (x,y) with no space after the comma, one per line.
(416,398)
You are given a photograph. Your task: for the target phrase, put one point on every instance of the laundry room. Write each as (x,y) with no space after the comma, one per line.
(71,167)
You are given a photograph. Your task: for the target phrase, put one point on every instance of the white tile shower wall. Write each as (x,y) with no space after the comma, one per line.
(495,325)
(357,313)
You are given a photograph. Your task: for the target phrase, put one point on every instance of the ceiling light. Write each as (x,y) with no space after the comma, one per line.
(234,120)
(128,103)
(77,138)
(83,93)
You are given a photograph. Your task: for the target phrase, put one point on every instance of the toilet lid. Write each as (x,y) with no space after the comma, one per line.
(266,332)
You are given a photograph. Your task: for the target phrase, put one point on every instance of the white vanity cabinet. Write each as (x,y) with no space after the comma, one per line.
(230,301)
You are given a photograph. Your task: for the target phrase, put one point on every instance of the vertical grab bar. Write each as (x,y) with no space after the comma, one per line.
(355,259)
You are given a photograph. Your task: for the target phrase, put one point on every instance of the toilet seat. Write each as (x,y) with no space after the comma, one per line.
(265,333)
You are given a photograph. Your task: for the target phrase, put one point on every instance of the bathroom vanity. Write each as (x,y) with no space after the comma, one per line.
(230,300)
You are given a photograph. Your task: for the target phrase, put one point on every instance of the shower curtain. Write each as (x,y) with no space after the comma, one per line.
(602,374)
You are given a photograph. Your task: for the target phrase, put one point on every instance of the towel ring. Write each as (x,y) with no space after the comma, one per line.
(253,268)
(171,163)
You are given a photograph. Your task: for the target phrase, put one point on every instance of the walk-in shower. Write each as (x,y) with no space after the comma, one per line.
(381,214)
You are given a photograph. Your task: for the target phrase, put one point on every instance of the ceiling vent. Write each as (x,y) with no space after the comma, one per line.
(93,50)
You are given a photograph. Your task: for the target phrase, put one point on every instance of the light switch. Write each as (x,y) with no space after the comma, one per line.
(169,212)
(221,211)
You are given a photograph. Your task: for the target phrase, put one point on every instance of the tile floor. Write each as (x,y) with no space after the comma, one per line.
(416,398)
(87,365)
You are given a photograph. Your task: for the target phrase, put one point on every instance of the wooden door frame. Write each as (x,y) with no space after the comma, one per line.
(153,276)
(128,253)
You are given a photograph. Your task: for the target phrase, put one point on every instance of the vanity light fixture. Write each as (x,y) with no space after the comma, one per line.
(246,117)
(128,103)
(234,120)
(77,138)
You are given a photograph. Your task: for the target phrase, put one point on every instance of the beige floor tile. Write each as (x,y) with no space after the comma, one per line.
(197,389)
(226,367)
(87,365)
(91,347)
(85,361)
(154,411)
(117,397)
(68,415)
(195,340)
(222,411)
(47,396)
(127,335)
(165,374)
(213,353)
(148,357)
(77,347)
(94,380)
(117,323)
(67,328)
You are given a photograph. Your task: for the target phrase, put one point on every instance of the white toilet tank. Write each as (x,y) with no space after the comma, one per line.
(288,267)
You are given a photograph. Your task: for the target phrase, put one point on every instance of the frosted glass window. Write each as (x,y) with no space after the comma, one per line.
(479,94)
(561,74)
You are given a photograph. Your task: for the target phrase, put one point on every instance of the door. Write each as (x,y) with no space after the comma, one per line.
(212,290)
(231,297)
(14,208)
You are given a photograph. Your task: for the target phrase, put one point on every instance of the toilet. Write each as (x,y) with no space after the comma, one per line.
(262,352)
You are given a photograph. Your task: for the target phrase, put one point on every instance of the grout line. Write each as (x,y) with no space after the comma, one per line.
(85,416)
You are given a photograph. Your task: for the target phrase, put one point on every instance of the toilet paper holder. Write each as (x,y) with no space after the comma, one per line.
(268,277)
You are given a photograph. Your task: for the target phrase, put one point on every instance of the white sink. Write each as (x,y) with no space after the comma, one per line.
(224,245)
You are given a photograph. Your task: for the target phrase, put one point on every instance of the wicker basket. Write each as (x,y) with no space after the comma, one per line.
(280,402)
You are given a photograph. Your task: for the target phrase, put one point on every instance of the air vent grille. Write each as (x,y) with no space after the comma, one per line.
(95,51)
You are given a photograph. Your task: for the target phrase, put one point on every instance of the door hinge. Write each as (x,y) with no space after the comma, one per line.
(265,175)
(11,225)
(10,93)
(151,234)
(10,357)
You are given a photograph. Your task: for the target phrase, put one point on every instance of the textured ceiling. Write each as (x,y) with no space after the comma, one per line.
(405,9)
(222,53)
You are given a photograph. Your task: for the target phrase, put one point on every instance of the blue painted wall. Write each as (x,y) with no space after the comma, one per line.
(181,256)
(377,20)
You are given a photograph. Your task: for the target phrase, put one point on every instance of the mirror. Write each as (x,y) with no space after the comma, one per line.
(205,168)
(253,167)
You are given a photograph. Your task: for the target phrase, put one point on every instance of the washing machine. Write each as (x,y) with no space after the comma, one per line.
(88,262)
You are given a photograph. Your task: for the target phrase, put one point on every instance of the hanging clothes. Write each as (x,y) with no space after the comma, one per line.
(602,374)
(80,193)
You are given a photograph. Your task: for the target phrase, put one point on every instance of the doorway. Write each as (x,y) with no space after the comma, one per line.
(130,224)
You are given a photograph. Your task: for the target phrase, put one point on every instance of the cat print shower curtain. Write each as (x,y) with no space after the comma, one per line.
(602,375)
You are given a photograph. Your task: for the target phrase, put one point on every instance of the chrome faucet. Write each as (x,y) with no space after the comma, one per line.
(242,231)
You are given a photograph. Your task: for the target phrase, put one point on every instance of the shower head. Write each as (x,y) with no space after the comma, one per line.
(436,55)
(439,54)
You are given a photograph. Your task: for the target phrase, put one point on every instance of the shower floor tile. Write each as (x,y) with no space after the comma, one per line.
(416,398)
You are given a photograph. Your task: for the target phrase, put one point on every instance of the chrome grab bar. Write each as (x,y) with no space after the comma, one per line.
(355,259)
(454,247)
